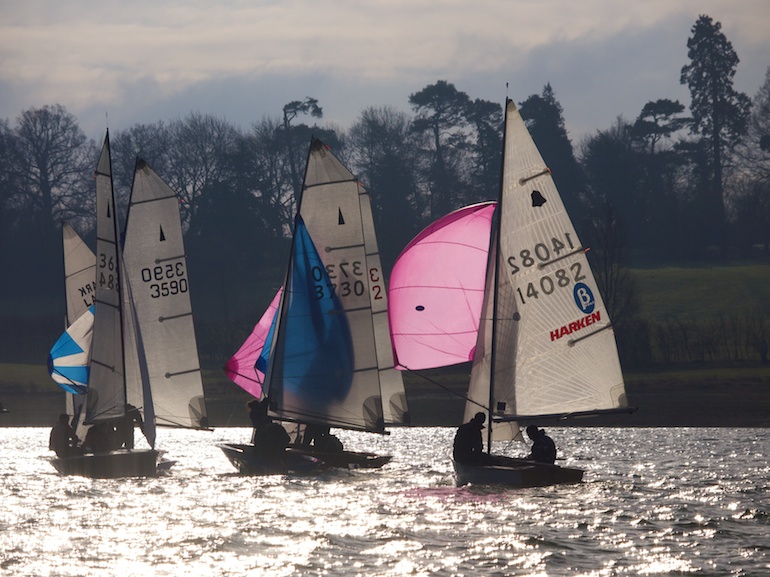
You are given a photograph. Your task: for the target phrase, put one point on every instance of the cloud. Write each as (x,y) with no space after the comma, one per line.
(243,59)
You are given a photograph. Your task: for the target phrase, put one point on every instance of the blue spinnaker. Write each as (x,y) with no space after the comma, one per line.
(70,356)
(317,354)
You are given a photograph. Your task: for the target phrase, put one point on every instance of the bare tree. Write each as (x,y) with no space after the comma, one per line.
(52,164)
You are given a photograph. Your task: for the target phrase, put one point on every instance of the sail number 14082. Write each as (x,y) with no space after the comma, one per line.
(544,253)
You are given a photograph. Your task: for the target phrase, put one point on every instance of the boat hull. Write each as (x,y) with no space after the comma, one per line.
(515,473)
(112,465)
(250,462)
(345,459)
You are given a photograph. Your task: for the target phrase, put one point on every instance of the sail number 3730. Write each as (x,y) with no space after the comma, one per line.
(544,253)
(346,279)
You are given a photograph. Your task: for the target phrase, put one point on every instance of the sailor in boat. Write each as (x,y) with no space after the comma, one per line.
(101,438)
(468,445)
(124,428)
(63,439)
(543,448)
(258,416)
(269,438)
(319,437)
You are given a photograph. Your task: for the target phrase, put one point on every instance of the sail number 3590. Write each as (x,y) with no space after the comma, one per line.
(166,280)
(543,253)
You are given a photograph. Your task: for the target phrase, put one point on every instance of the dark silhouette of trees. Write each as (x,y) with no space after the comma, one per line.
(485,150)
(719,112)
(290,112)
(49,166)
(545,120)
(642,193)
(385,154)
(441,112)
(750,200)
(659,121)
(51,158)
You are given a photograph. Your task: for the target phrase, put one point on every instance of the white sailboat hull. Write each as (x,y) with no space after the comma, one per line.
(515,473)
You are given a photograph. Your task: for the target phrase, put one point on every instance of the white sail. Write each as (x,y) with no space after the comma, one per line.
(332,353)
(79,291)
(545,340)
(79,274)
(156,267)
(106,387)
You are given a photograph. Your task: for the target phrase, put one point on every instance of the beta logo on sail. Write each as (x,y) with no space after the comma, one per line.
(584,298)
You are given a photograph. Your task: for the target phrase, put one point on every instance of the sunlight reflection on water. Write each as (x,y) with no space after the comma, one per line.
(654,502)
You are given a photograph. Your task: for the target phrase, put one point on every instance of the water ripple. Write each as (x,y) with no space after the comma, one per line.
(654,502)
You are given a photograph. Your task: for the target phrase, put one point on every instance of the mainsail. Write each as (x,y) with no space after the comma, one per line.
(106,385)
(331,359)
(436,290)
(157,276)
(545,344)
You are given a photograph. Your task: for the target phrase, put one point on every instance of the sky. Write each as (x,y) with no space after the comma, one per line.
(118,63)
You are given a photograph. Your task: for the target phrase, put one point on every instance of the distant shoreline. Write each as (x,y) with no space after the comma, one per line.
(703,398)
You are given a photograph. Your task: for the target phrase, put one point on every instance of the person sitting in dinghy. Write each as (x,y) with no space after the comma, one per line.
(543,448)
(63,440)
(468,445)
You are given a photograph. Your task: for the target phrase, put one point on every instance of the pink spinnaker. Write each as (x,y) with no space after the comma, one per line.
(242,367)
(436,290)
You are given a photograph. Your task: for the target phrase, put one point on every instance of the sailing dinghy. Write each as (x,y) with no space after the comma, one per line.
(544,346)
(121,355)
(68,363)
(326,353)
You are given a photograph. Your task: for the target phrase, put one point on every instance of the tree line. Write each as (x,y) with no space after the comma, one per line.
(666,187)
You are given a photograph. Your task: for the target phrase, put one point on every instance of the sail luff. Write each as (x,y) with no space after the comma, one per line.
(106,387)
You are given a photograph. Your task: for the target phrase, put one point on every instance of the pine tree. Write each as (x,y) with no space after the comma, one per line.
(719,112)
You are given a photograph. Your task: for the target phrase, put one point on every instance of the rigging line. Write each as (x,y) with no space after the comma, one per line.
(62,375)
(573,342)
(137,202)
(579,249)
(185,372)
(543,172)
(326,183)
(160,260)
(333,248)
(447,389)
(171,318)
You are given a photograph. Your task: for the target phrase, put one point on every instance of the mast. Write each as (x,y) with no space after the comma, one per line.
(494,258)
(282,309)
(106,391)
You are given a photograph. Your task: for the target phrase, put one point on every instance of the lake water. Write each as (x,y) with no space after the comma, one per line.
(654,502)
